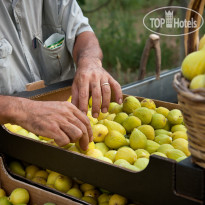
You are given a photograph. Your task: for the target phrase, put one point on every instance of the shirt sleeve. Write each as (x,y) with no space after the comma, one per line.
(73,22)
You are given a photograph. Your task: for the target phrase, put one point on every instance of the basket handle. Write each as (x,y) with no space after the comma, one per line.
(191,40)
(153,42)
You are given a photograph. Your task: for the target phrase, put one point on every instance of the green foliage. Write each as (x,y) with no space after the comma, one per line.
(81,2)
(122,37)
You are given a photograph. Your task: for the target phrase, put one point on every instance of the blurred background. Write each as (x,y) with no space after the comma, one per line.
(118,24)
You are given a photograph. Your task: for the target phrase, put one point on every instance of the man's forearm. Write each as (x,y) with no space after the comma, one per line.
(60,121)
(87,49)
(91,77)
(10,109)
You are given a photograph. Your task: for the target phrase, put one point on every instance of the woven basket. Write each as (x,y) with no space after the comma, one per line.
(192,104)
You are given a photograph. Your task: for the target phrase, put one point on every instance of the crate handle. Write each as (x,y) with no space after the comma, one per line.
(35,85)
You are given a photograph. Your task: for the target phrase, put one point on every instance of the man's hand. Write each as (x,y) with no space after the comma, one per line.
(61,121)
(91,76)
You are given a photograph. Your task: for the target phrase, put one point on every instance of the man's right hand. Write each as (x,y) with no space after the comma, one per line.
(61,121)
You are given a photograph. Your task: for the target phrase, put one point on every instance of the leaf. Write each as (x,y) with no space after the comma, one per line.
(81,2)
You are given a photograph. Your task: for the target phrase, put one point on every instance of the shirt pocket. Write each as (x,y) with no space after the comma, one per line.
(5,55)
(53,62)
(5,51)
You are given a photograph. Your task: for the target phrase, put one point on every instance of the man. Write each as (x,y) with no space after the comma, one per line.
(24,27)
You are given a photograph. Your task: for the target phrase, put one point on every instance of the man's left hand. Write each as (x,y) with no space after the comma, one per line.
(92,78)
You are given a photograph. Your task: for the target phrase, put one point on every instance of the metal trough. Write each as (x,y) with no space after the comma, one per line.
(161,89)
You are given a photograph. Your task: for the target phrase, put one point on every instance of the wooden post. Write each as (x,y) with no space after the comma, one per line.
(152,42)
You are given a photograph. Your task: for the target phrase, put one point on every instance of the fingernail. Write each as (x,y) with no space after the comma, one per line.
(95,115)
(104,110)
(120,101)
(85,148)
(91,139)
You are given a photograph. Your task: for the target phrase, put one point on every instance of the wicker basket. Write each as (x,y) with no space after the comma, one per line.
(193,107)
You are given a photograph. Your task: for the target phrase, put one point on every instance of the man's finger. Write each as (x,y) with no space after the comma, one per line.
(80,125)
(96,98)
(84,119)
(83,88)
(83,142)
(106,95)
(74,94)
(60,138)
(115,86)
(72,131)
